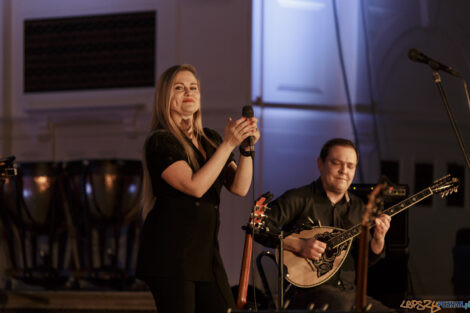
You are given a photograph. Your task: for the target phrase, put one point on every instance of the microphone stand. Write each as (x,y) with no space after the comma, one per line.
(437,80)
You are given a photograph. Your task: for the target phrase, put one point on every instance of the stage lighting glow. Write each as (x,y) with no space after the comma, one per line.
(42,182)
(301,4)
(26,193)
(110,180)
(88,189)
(132,188)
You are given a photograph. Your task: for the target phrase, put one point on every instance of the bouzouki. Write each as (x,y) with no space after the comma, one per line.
(306,273)
(255,224)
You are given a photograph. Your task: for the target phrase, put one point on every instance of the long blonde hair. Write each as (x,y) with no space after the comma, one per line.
(161,119)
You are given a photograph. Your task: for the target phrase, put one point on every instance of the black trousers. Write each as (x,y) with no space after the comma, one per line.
(181,296)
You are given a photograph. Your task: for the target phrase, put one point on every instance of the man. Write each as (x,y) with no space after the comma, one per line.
(327,202)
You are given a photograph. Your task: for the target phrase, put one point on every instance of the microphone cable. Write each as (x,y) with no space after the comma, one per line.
(255,304)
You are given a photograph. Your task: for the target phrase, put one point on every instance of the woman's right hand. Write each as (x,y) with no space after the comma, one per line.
(237,131)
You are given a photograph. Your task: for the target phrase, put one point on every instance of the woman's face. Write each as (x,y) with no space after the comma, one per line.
(185,97)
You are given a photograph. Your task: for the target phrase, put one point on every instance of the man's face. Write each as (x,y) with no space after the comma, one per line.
(338,169)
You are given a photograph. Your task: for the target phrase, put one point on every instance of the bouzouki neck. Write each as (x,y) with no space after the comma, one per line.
(393,210)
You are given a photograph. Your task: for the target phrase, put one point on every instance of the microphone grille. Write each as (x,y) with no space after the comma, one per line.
(247,111)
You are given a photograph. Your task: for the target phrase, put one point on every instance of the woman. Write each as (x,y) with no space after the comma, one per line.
(185,167)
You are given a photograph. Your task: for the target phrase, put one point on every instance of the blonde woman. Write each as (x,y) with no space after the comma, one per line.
(185,167)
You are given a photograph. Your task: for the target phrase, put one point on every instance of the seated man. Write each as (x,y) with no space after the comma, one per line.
(326,202)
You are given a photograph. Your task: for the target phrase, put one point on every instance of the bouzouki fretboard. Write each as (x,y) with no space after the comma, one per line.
(395,209)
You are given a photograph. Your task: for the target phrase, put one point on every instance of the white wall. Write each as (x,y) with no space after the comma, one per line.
(4,129)
(40,121)
(212,35)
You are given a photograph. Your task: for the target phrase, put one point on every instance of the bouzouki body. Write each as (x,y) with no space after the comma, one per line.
(308,273)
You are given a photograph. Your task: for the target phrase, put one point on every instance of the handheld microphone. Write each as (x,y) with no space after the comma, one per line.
(247,112)
(417,56)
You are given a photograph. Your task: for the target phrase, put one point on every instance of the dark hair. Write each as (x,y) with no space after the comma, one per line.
(337,142)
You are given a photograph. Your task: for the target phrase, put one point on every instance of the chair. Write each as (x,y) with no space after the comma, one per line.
(268,284)
(34,225)
(103,200)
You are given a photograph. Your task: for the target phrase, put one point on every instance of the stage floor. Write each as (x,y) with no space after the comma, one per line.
(77,301)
